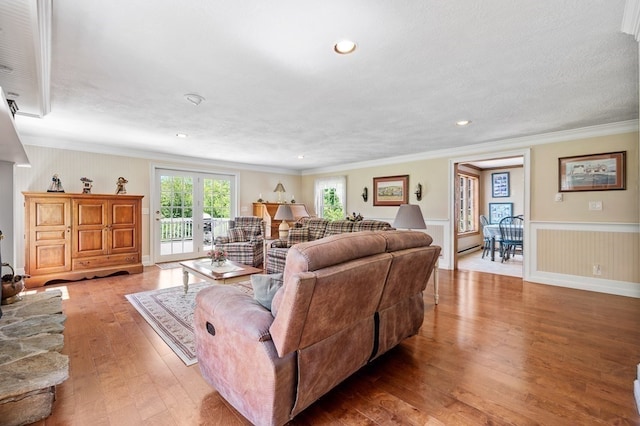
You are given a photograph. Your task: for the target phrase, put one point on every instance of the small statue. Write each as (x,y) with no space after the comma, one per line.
(56,184)
(87,184)
(120,188)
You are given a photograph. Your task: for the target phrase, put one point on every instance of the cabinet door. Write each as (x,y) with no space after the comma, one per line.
(90,227)
(49,235)
(124,233)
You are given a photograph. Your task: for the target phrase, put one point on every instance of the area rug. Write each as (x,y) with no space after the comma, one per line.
(170,313)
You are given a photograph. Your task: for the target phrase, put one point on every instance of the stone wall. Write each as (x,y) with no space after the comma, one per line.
(31,364)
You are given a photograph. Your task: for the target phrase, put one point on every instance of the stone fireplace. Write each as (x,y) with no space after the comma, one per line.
(31,364)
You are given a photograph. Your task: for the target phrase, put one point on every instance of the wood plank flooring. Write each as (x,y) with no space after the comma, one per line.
(494,351)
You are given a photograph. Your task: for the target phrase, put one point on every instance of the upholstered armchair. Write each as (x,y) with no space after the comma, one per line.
(244,242)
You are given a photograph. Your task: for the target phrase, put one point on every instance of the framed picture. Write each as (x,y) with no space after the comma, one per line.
(595,172)
(500,184)
(499,210)
(390,190)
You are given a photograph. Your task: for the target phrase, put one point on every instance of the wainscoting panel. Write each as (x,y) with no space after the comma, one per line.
(599,257)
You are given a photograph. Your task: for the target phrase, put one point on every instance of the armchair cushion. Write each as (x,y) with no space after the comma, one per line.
(265,287)
(236,235)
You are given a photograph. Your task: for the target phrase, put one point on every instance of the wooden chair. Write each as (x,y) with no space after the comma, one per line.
(511,233)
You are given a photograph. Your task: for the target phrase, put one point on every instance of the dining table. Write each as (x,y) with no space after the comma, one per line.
(492,231)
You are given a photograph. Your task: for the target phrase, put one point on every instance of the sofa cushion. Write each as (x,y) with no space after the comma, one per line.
(338,227)
(297,235)
(265,287)
(236,235)
(371,225)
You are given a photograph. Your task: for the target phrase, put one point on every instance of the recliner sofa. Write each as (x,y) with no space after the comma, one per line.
(345,300)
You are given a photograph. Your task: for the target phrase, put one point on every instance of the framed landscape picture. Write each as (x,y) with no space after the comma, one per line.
(500,184)
(497,211)
(390,190)
(595,172)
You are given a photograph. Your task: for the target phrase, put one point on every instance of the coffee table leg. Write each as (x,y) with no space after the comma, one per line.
(185,280)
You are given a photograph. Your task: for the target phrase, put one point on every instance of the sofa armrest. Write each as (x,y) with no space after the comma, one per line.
(279,244)
(233,311)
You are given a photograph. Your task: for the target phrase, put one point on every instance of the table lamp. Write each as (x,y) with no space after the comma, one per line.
(279,189)
(409,216)
(284,214)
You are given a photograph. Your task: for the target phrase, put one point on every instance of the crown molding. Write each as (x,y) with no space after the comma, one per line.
(51,142)
(491,146)
(631,19)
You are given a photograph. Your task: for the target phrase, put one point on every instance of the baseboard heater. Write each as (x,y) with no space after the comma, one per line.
(469,248)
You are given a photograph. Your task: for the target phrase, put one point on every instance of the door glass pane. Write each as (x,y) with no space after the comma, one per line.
(216,209)
(176,221)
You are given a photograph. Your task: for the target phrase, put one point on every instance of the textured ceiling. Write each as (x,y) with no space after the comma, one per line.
(274,89)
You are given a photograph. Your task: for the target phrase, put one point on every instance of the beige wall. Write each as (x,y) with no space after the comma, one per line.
(104,170)
(618,206)
(516,190)
(432,174)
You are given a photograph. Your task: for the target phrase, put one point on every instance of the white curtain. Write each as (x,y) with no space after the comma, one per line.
(339,183)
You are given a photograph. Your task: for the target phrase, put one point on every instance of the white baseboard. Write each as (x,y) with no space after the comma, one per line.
(620,288)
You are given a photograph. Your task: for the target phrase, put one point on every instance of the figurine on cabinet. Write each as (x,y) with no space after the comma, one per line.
(87,184)
(56,184)
(120,189)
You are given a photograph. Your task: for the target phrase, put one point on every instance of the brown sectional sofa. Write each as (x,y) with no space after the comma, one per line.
(345,300)
(314,228)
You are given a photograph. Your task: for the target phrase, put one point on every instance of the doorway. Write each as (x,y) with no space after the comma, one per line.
(190,210)
(467,244)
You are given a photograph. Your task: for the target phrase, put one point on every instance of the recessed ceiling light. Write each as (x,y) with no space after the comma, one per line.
(181,135)
(344,47)
(463,123)
(300,157)
(194,98)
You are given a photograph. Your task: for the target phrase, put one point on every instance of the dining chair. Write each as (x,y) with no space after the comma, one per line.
(486,249)
(511,232)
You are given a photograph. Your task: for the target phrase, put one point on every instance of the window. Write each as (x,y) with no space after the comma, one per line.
(330,196)
(468,203)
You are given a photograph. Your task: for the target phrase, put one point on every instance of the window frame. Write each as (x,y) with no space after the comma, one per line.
(463,202)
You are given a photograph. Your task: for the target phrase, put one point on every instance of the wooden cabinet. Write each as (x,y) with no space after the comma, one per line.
(76,236)
(267,212)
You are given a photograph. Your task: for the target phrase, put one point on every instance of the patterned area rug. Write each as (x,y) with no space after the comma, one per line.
(170,313)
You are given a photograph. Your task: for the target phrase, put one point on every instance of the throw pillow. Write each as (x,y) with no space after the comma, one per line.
(265,287)
(236,235)
(253,230)
(297,235)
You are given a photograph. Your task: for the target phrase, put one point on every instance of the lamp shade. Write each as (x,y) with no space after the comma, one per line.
(279,188)
(284,213)
(409,216)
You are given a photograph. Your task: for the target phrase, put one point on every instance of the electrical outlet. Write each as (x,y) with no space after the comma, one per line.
(595,205)
(559,196)
(597,270)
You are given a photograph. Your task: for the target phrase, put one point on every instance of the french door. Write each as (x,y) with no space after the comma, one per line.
(190,210)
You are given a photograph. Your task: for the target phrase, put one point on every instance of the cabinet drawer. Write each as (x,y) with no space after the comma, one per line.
(103,261)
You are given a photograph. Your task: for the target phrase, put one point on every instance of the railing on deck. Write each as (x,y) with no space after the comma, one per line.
(179,229)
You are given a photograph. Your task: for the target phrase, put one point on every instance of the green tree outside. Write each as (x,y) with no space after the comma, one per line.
(333,209)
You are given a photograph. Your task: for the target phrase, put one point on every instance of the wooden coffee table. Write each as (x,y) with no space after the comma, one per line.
(230,272)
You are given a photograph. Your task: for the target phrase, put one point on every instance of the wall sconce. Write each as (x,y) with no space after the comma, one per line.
(365,194)
(418,192)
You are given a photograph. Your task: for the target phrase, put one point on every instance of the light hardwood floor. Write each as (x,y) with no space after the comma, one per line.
(494,351)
